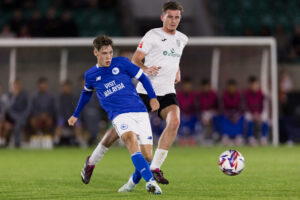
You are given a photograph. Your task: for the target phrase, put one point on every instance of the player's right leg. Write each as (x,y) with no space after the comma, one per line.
(108,139)
(140,163)
(135,178)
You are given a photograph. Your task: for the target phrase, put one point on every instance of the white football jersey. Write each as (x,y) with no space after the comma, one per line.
(164,50)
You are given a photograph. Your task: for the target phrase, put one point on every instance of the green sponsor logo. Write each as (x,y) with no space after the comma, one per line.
(171,53)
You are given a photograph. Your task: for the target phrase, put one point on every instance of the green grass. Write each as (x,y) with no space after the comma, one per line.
(270,173)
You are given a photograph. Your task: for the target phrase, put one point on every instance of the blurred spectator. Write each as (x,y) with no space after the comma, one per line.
(9,4)
(29,4)
(157,126)
(290,120)
(256,113)
(93,4)
(188,118)
(17,21)
(232,120)
(24,32)
(285,86)
(43,111)
(208,104)
(90,115)
(74,4)
(68,26)
(295,43)
(36,24)
(3,106)
(64,134)
(52,24)
(6,32)
(282,41)
(16,114)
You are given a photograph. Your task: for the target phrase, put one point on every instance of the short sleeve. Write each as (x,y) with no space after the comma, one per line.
(132,70)
(88,84)
(145,44)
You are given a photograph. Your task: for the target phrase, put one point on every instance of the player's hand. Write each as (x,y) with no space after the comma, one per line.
(154,104)
(152,71)
(72,120)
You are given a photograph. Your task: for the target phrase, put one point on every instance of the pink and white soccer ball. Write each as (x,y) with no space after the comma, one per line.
(231,162)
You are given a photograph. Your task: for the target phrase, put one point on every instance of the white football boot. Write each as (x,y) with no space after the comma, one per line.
(152,187)
(128,187)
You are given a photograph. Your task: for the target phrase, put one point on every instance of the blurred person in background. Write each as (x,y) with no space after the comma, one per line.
(286,85)
(6,32)
(68,25)
(256,112)
(36,25)
(188,118)
(91,115)
(51,24)
(208,105)
(17,21)
(43,110)
(64,134)
(295,43)
(3,105)
(232,121)
(24,32)
(16,114)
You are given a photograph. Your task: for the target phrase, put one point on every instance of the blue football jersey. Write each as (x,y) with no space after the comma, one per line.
(114,87)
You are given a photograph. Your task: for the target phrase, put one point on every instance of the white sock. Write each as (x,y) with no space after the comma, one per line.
(158,159)
(97,154)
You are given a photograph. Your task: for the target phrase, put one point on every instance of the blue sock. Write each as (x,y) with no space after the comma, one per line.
(250,128)
(141,166)
(265,129)
(136,176)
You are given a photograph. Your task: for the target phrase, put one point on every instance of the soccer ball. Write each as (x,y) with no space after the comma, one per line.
(231,162)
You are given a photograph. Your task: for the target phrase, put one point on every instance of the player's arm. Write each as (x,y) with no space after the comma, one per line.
(150,91)
(178,76)
(83,100)
(135,72)
(138,58)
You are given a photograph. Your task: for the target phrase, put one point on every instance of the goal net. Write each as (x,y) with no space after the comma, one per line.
(217,59)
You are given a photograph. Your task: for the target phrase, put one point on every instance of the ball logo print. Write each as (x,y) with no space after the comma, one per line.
(165,53)
(231,162)
(115,71)
(124,126)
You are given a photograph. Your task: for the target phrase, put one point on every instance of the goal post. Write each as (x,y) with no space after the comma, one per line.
(213,45)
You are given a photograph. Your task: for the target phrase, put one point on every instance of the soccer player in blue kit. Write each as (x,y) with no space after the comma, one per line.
(111,79)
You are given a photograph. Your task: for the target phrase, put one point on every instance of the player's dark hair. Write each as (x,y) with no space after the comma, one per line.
(42,80)
(231,82)
(205,82)
(171,5)
(252,79)
(67,82)
(101,41)
(186,80)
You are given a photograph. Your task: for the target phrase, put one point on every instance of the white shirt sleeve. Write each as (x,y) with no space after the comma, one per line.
(146,43)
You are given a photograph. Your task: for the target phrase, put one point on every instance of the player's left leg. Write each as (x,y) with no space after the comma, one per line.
(135,178)
(145,139)
(171,114)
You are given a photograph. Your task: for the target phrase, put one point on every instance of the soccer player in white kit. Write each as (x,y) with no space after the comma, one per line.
(162,49)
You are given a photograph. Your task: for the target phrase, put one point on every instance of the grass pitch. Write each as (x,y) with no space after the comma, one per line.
(270,173)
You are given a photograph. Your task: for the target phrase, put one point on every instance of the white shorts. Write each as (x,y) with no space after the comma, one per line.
(137,122)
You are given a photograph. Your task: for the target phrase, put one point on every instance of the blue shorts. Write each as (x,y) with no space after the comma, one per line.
(232,129)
